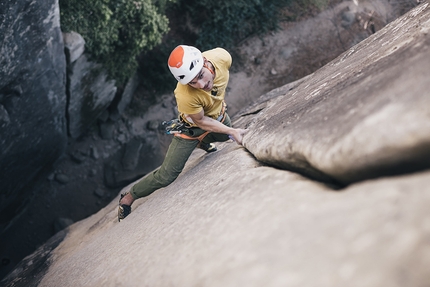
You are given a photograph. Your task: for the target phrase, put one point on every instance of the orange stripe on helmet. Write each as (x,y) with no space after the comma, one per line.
(176,57)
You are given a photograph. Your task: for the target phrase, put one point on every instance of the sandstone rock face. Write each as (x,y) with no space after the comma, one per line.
(364,115)
(243,216)
(32,97)
(266,227)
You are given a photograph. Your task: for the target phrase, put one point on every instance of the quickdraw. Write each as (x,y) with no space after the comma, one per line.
(174,126)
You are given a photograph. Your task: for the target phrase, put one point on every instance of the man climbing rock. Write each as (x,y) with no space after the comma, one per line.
(202,82)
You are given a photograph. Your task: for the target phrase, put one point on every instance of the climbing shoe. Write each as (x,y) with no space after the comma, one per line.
(208,147)
(123,209)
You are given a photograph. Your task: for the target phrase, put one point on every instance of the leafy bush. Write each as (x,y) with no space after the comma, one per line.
(153,69)
(298,9)
(224,22)
(116,31)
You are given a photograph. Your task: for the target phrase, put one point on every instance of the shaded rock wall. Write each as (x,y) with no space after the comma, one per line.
(48,91)
(90,93)
(32,97)
(41,168)
(230,220)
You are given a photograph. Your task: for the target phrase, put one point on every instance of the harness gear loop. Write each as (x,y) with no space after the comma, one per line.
(221,119)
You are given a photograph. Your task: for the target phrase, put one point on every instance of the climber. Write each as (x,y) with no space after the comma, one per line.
(202,82)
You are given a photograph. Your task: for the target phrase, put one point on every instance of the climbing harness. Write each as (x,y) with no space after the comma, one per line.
(178,127)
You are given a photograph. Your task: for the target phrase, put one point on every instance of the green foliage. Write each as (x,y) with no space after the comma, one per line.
(225,22)
(153,70)
(304,8)
(208,23)
(116,31)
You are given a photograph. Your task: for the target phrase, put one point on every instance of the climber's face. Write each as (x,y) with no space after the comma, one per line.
(204,79)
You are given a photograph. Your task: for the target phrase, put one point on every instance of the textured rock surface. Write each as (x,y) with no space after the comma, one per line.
(229,220)
(146,150)
(90,93)
(74,46)
(266,227)
(365,114)
(125,98)
(32,97)
(300,48)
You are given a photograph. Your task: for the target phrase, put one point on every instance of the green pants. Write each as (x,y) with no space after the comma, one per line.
(177,155)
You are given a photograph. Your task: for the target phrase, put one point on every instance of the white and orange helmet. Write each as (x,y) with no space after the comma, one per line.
(185,62)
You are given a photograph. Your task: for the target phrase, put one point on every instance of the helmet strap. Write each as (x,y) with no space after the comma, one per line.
(207,67)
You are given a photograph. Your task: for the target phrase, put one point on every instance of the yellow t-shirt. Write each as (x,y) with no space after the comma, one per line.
(192,101)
